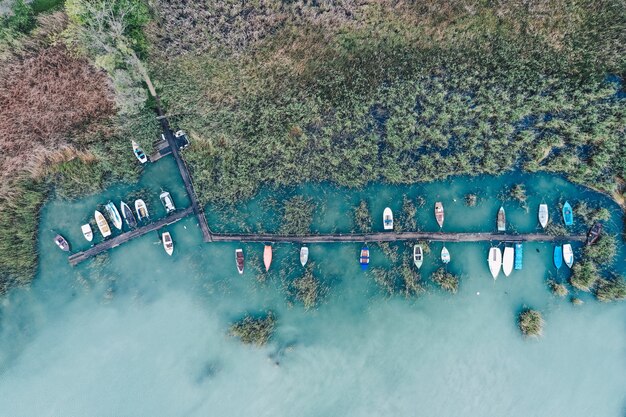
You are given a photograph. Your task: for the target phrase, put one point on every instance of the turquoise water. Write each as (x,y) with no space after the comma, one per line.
(138,333)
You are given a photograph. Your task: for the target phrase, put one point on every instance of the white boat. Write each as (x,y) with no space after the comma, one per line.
(102,223)
(139,153)
(418,256)
(543,215)
(388,219)
(114,215)
(507,260)
(304,255)
(495,261)
(445,255)
(167,201)
(439,213)
(141,209)
(239,260)
(568,255)
(168,243)
(87,232)
(127,214)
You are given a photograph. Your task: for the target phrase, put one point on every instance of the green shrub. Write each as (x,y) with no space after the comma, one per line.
(612,289)
(530,323)
(584,275)
(446,280)
(602,252)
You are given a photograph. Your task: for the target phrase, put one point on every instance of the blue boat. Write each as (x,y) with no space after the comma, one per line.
(364,260)
(568,215)
(519,255)
(558,256)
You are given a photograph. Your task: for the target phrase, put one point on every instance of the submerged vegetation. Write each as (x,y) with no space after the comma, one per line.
(584,275)
(254,330)
(297,216)
(308,289)
(446,280)
(558,288)
(362,218)
(399,280)
(530,323)
(612,289)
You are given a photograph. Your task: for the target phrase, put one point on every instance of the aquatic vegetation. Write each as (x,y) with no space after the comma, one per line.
(407,221)
(401,279)
(471,200)
(576,301)
(362,218)
(611,289)
(445,280)
(531,323)
(554,229)
(584,275)
(411,280)
(602,252)
(307,289)
(590,214)
(518,192)
(254,330)
(558,288)
(297,216)
(389,250)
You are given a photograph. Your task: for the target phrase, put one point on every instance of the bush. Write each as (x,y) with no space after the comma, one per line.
(253,330)
(446,280)
(584,275)
(557,288)
(531,323)
(612,289)
(602,252)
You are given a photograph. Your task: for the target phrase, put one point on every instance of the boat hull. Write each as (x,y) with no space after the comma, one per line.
(364,258)
(594,234)
(543,215)
(501,221)
(507,260)
(568,255)
(168,203)
(141,209)
(387,219)
(495,262)
(139,153)
(568,214)
(418,256)
(62,243)
(127,213)
(439,214)
(239,260)
(445,255)
(102,223)
(168,243)
(87,232)
(304,255)
(558,256)
(267,257)
(114,215)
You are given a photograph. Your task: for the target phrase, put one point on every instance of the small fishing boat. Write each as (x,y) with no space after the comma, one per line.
(62,243)
(594,234)
(139,153)
(168,203)
(507,260)
(568,215)
(141,209)
(364,259)
(495,262)
(568,255)
(304,255)
(114,215)
(168,243)
(128,216)
(543,215)
(267,256)
(87,232)
(558,256)
(501,220)
(418,256)
(239,260)
(519,255)
(439,213)
(388,219)
(445,255)
(102,223)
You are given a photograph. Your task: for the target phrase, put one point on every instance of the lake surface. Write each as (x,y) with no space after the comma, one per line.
(138,333)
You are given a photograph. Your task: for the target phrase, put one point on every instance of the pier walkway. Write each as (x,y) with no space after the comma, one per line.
(394,237)
(125,237)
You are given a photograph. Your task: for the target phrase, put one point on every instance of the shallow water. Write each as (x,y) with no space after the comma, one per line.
(139,333)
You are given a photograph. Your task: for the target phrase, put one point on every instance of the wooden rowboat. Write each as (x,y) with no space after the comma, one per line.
(267,256)
(439,213)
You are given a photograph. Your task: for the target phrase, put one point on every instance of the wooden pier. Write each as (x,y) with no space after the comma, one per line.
(394,237)
(125,237)
(184,173)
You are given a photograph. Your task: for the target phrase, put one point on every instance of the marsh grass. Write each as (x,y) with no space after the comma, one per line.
(531,323)
(446,280)
(254,330)
(611,289)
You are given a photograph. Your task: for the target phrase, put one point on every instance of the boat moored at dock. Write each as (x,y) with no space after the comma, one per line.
(87,232)
(568,214)
(139,153)
(239,260)
(114,215)
(568,255)
(594,234)
(168,203)
(543,215)
(62,243)
(495,261)
(102,223)
(267,257)
(445,255)
(304,255)
(364,258)
(141,209)
(128,216)
(519,256)
(168,243)
(507,260)
(439,215)
(387,219)
(501,221)
(418,256)
(558,256)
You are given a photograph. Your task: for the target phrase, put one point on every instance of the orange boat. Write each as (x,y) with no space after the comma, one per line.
(267,256)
